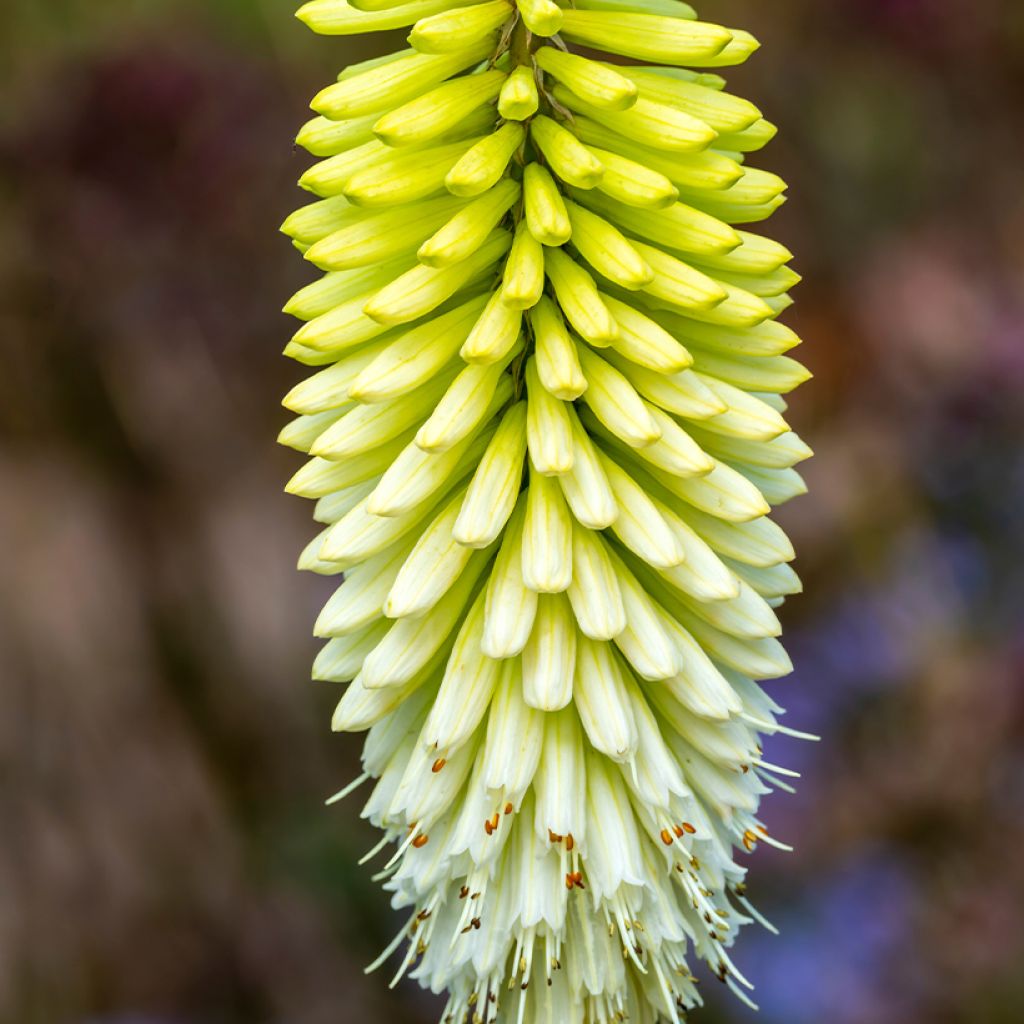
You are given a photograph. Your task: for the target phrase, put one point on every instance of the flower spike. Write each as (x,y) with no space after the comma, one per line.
(545,434)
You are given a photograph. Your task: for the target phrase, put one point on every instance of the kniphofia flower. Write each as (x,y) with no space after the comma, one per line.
(546,430)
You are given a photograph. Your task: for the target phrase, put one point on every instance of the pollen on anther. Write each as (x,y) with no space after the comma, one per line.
(438,765)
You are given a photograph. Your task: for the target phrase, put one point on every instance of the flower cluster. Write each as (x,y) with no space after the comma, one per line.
(545,436)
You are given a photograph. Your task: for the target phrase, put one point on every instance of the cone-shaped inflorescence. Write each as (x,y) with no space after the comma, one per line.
(546,430)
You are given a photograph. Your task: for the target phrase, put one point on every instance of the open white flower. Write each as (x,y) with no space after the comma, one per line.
(546,434)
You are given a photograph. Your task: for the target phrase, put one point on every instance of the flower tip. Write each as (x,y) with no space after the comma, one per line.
(306,13)
(294,485)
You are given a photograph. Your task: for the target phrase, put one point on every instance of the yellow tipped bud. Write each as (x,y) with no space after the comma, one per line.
(342,329)
(368,426)
(378,236)
(416,356)
(678,283)
(329,177)
(586,486)
(340,659)
(514,740)
(578,296)
(651,124)
(415,476)
(546,215)
(470,227)
(593,82)
(404,176)
(519,98)
(542,17)
(549,658)
(750,140)
(456,29)
(411,643)
(675,451)
(772,374)
(394,83)
(469,682)
(320,477)
(601,696)
(614,401)
(632,183)
(333,289)
(431,568)
(330,508)
(328,389)
(351,70)
(547,537)
(594,591)
(481,166)
(324,137)
(683,393)
(783,452)
(607,250)
(424,288)
(523,281)
(670,8)
(678,227)
(566,155)
(640,525)
(558,364)
(647,36)
(548,427)
(705,170)
(741,46)
(439,110)
(495,485)
(719,110)
(740,308)
(340,18)
(358,603)
(646,642)
(309,224)
(301,433)
(510,608)
(494,333)
(643,341)
(464,405)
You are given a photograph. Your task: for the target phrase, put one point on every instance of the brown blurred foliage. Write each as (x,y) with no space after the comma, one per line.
(164,761)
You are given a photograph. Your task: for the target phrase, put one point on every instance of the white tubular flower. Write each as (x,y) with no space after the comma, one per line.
(545,432)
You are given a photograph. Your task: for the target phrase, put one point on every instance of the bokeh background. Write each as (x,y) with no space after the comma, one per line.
(163,759)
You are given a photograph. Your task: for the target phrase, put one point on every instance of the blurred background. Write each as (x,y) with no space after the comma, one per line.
(167,857)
